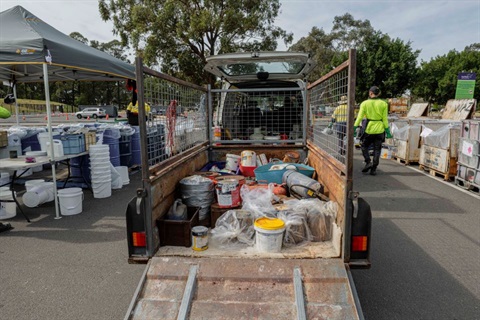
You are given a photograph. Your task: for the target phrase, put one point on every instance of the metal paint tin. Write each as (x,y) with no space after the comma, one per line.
(199,238)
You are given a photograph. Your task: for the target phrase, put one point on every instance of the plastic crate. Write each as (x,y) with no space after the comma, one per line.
(73,143)
(178,232)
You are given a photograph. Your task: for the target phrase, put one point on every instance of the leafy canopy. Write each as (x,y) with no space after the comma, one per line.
(437,79)
(179,34)
(382,61)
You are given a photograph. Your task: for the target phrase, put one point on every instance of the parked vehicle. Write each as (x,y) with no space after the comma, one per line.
(92,113)
(308,281)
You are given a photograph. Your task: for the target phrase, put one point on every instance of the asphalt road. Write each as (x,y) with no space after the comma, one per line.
(425,246)
(70,268)
(425,254)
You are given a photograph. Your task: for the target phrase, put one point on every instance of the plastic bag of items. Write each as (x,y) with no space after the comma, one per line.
(234,225)
(320,216)
(296,227)
(258,201)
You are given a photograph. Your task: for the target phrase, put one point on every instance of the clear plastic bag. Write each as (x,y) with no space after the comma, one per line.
(320,216)
(258,201)
(296,227)
(234,225)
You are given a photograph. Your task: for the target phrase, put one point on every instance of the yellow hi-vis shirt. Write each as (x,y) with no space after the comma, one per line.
(341,113)
(375,110)
(134,108)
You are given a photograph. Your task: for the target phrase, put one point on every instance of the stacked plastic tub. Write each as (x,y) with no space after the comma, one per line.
(136,157)
(125,145)
(111,137)
(101,177)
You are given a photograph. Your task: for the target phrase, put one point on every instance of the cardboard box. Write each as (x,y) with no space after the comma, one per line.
(3,138)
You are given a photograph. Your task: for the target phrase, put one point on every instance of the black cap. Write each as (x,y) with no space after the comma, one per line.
(375,90)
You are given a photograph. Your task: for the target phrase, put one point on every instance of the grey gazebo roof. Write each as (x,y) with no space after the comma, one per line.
(27,42)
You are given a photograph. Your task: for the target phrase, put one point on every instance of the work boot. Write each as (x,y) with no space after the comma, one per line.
(373,171)
(367,167)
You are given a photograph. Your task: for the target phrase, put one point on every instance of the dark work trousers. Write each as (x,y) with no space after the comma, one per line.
(341,130)
(376,140)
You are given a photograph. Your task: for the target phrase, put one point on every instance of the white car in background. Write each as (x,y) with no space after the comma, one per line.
(92,113)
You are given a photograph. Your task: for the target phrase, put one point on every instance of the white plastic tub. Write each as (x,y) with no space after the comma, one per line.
(70,201)
(269,234)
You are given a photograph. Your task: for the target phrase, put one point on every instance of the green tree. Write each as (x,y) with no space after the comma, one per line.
(179,35)
(437,80)
(382,61)
(390,64)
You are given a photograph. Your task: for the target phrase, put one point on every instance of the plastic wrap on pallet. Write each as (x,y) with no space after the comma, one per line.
(439,138)
(401,133)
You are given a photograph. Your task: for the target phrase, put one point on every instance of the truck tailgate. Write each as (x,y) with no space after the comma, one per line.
(242,288)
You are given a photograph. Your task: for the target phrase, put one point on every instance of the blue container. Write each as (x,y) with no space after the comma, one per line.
(136,158)
(263,174)
(73,143)
(32,143)
(80,167)
(111,137)
(125,147)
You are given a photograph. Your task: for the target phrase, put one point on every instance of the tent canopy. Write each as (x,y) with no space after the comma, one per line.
(27,42)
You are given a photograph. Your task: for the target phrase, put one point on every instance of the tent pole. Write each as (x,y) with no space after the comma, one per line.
(16,103)
(49,124)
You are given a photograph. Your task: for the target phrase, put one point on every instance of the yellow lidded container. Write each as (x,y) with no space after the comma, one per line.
(269,223)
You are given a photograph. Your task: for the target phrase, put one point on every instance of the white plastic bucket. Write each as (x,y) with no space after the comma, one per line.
(102,191)
(8,210)
(233,161)
(4,178)
(70,201)
(123,170)
(24,173)
(43,137)
(29,184)
(49,187)
(249,158)
(37,168)
(37,195)
(269,234)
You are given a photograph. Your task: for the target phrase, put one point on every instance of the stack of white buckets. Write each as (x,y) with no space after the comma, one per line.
(7,209)
(100,170)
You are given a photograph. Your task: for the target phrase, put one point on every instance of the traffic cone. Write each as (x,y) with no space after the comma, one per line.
(66,118)
(106,116)
(88,117)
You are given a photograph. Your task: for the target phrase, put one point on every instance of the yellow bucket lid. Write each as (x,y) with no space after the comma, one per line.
(269,223)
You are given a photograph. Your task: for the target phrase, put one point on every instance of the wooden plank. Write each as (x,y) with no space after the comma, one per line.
(459,109)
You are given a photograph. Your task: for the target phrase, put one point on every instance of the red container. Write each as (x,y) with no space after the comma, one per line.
(247,171)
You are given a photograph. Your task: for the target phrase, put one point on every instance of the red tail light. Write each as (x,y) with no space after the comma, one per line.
(139,239)
(359,243)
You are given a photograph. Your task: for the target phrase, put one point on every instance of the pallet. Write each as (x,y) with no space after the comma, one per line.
(403,161)
(445,175)
(467,185)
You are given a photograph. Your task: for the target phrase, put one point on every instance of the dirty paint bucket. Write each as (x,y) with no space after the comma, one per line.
(228,193)
(249,158)
(269,234)
(233,161)
(199,238)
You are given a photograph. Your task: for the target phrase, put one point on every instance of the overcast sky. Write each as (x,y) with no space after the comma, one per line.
(433,26)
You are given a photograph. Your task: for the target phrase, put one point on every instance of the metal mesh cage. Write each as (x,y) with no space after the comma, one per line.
(256,115)
(177,119)
(328,114)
